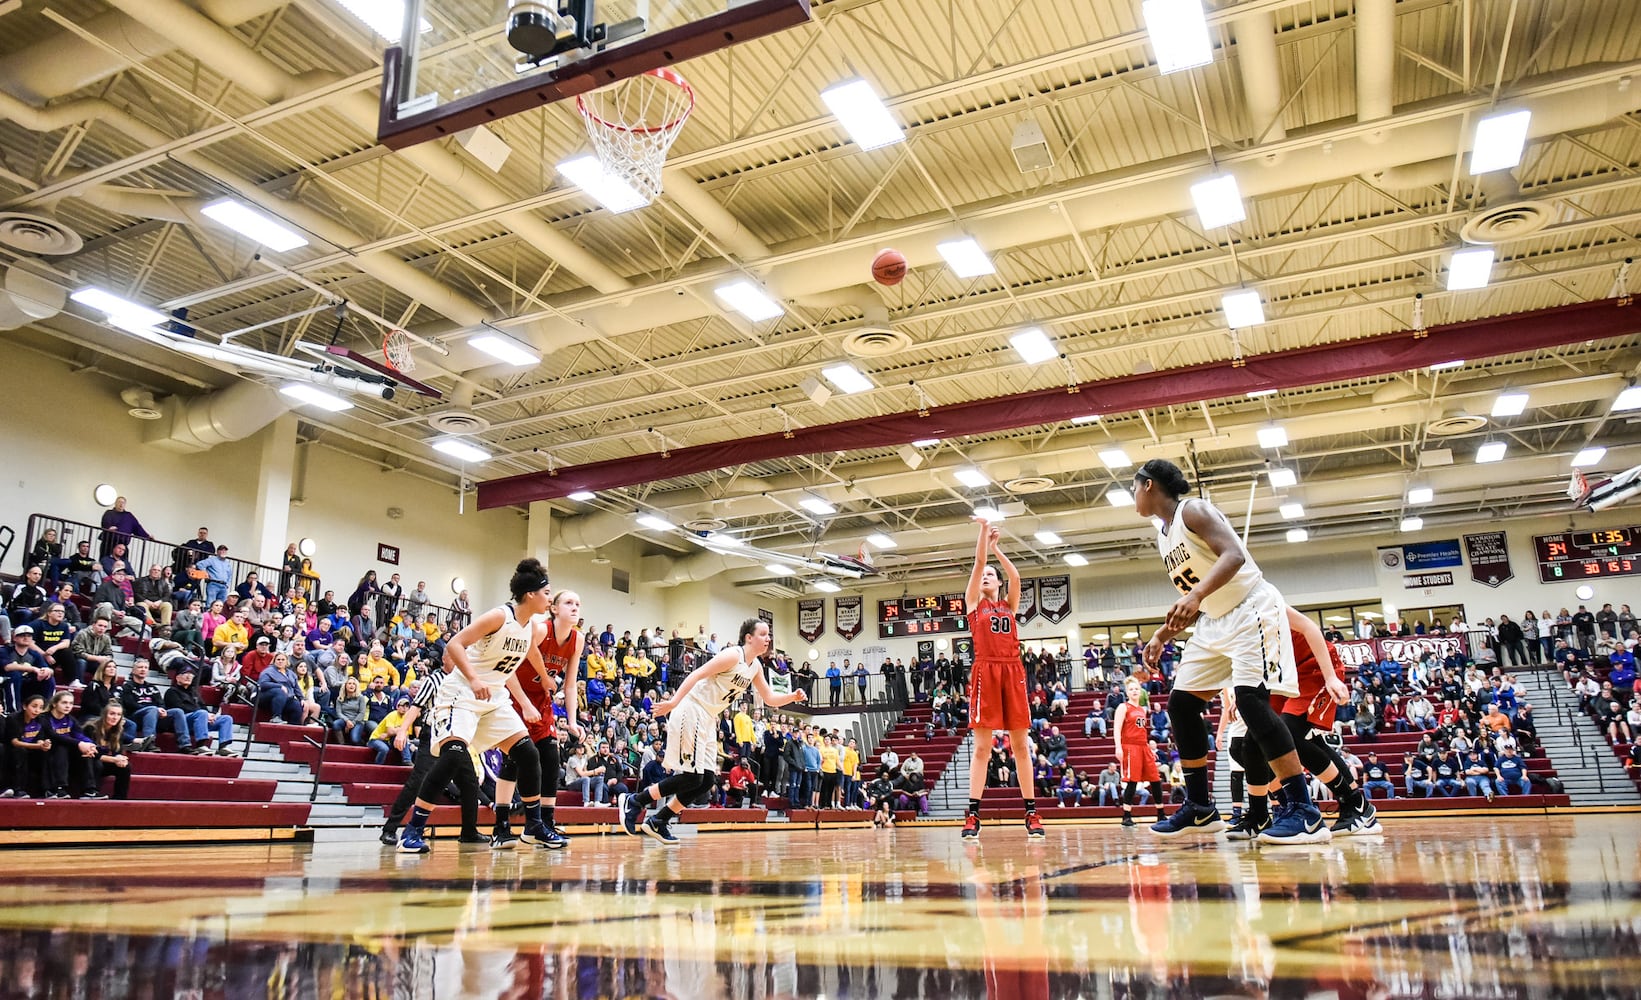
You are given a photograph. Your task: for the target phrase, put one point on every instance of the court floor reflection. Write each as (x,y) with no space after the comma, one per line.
(1494,907)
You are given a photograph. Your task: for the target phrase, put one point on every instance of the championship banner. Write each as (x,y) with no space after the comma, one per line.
(1489,558)
(1054,597)
(846,611)
(1406,650)
(811,619)
(1028,602)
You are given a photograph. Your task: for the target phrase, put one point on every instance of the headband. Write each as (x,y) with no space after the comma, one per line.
(531,585)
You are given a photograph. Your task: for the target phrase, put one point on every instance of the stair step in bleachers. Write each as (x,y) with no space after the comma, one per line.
(189,789)
(155,814)
(185,765)
(348,774)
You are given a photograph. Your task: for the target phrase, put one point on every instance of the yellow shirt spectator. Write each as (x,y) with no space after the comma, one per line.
(640,666)
(851,763)
(231,631)
(431,631)
(603,669)
(829,758)
(393,721)
(743,727)
(379,666)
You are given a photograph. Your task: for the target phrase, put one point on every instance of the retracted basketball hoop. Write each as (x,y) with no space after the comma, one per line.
(396,351)
(633,124)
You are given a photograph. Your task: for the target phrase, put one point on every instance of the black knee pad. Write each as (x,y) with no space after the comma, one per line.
(453,757)
(550,765)
(1239,752)
(527,763)
(1256,771)
(1190,730)
(509,771)
(1311,753)
(1253,704)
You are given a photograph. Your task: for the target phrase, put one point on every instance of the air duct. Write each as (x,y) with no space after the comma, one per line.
(202,423)
(27,297)
(1375,62)
(1261,71)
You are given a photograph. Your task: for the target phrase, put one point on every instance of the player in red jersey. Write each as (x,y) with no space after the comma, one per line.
(1134,756)
(560,649)
(997,685)
(1310,715)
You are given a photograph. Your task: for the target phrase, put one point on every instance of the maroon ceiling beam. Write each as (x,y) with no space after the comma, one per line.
(1404,351)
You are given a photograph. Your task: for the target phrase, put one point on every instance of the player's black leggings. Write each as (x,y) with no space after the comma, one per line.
(688,787)
(550,766)
(1156,796)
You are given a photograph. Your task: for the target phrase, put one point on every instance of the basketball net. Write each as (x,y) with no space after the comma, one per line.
(633,124)
(396,352)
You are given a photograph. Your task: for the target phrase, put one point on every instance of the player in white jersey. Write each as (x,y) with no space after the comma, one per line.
(692,730)
(473,711)
(1241,640)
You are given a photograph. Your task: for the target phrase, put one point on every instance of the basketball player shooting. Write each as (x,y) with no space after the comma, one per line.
(997,688)
(1242,639)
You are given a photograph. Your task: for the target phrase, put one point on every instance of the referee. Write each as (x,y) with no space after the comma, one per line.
(467,783)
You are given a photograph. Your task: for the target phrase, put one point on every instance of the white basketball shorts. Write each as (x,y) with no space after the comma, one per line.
(1248,647)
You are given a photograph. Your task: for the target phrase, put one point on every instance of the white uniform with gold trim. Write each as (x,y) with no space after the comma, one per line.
(1241,637)
(692,727)
(457,714)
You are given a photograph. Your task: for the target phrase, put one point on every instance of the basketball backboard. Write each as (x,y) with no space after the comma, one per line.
(458,68)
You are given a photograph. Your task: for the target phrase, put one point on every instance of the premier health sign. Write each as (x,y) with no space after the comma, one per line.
(1431,555)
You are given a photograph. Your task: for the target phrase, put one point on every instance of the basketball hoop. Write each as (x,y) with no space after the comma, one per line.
(633,124)
(396,351)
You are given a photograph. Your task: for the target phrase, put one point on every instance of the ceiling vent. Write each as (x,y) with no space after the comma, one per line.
(785,589)
(458,422)
(703,523)
(1455,422)
(38,234)
(875,342)
(599,558)
(141,404)
(1508,222)
(1432,457)
(1029,484)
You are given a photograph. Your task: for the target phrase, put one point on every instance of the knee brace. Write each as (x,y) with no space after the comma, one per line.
(548,751)
(453,757)
(1190,731)
(1239,752)
(509,771)
(1312,754)
(1253,704)
(527,764)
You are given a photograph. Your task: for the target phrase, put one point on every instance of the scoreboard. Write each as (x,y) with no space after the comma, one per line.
(1582,555)
(928,615)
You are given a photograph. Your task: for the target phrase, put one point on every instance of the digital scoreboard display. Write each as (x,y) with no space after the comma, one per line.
(1582,555)
(929,615)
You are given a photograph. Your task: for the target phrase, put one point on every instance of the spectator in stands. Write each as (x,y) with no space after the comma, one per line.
(152,593)
(812,767)
(107,734)
(120,526)
(103,688)
(1421,714)
(1584,629)
(198,724)
(1376,777)
(393,733)
(849,774)
(54,638)
(29,599)
(388,596)
(834,684)
(143,703)
(1070,792)
(1478,774)
(276,692)
(252,587)
(1511,773)
(187,627)
(1588,690)
(349,714)
(67,771)
(1110,785)
(235,632)
(92,648)
(218,573)
(461,612)
(47,551)
(27,744)
(25,668)
(741,785)
(1622,676)
(80,569)
(311,687)
(1420,774)
(1610,716)
(1449,771)
(112,560)
(911,790)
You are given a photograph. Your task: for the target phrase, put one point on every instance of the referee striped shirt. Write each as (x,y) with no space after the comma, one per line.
(428,691)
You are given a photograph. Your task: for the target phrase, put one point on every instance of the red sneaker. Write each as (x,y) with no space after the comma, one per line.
(1034,826)
(971,827)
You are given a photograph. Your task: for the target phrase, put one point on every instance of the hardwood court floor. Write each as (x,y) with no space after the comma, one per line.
(1495,907)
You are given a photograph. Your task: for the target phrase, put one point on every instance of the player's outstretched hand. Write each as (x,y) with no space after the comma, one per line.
(1153,651)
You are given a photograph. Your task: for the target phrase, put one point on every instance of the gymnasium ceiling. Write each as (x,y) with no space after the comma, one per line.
(1345,124)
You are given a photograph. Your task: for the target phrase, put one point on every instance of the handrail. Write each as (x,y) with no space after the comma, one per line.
(313,794)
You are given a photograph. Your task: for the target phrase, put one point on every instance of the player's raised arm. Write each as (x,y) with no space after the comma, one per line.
(982,546)
(994,542)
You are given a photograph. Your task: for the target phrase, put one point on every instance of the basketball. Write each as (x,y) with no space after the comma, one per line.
(889,267)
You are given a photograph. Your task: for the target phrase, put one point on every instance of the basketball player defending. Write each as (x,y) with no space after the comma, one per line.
(692,731)
(1134,756)
(560,648)
(1241,639)
(997,688)
(473,711)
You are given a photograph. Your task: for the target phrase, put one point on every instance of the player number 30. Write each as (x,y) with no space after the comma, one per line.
(1002,625)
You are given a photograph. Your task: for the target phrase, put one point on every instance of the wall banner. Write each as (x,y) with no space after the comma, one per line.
(811,619)
(1054,597)
(846,612)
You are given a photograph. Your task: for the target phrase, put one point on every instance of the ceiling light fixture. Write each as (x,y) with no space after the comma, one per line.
(1047,537)
(1282,477)
(582,496)
(1470,269)
(1510,404)
(1587,457)
(1091,418)
(988,513)
(461,450)
(1420,495)
(723,538)
(1075,559)
(925,442)
(1257,393)
(1629,399)
(254,225)
(1298,535)
(862,114)
(880,541)
(506,348)
(1291,511)
(826,586)
(1179,34)
(587,172)
(779,569)
(115,307)
(1414,523)
(1444,366)
(1115,458)
(815,505)
(1034,346)
(749,300)
(971,477)
(1272,437)
(654,522)
(312,395)
(1242,309)
(1500,139)
(1117,496)
(385,17)
(1218,201)
(847,378)
(1490,451)
(966,259)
